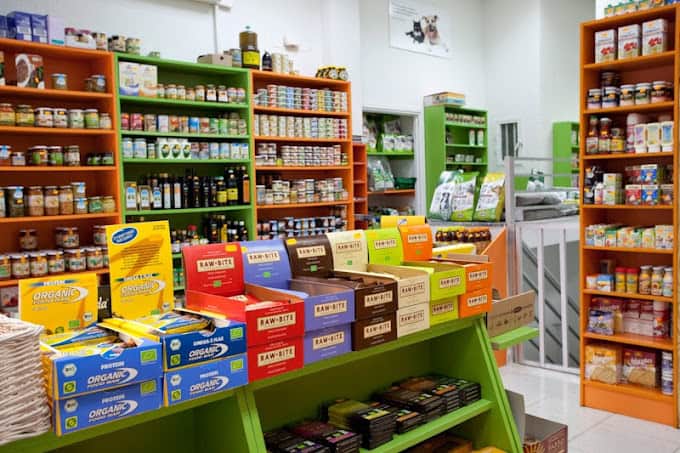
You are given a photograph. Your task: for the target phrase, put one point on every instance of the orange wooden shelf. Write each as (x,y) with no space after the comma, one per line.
(303,205)
(317,168)
(664,58)
(302,140)
(628,250)
(53,131)
(630,18)
(394,192)
(664,344)
(627,206)
(631,108)
(51,50)
(52,218)
(630,400)
(630,389)
(66,95)
(30,169)
(627,156)
(262,109)
(312,82)
(14,282)
(595,292)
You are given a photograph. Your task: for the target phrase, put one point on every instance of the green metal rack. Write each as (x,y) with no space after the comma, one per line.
(565,151)
(444,140)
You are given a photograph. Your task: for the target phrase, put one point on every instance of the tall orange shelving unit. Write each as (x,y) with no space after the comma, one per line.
(260,79)
(360,185)
(77,64)
(635,401)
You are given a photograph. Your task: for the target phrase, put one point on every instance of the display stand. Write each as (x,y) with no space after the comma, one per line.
(634,401)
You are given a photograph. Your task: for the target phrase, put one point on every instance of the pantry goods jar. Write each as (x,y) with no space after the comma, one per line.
(59,81)
(98,83)
(7,114)
(657,281)
(17,158)
(108,204)
(76,260)
(38,264)
(76,120)
(28,240)
(68,237)
(5,267)
(15,201)
(20,266)
(667,290)
(38,156)
(80,205)
(55,262)
(60,117)
(55,155)
(94,258)
(51,196)
(72,156)
(105,121)
(65,200)
(645,280)
(92,119)
(44,117)
(94,205)
(25,116)
(99,235)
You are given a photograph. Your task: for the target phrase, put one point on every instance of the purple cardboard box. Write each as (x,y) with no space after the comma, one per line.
(265,263)
(19,25)
(4,27)
(39,28)
(326,343)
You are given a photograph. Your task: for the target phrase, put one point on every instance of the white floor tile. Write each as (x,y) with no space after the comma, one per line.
(643,428)
(568,411)
(536,384)
(606,438)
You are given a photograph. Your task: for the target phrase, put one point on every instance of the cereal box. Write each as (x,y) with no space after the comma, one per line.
(603,363)
(640,367)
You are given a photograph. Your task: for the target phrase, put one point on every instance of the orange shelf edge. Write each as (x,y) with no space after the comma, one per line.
(627,156)
(263,109)
(630,400)
(663,344)
(595,292)
(628,250)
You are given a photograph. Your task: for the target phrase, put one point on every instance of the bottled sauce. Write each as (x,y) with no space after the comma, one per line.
(177,194)
(232,188)
(244,193)
(250,55)
(631,280)
(166,190)
(266,61)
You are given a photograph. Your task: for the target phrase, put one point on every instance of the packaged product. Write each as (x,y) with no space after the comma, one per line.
(30,71)
(601,322)
(654,36)
(650,194)
(464,197)
(603,363)
(613,306)
(148,80)
(441,206)
(640,367)
(491,198)
(629,41)
(129,77)
(605,46)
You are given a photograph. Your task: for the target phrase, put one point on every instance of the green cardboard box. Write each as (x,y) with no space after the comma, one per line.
(384,246)
(443,310)
(446,279)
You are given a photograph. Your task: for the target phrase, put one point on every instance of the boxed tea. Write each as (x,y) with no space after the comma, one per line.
(326,343)
(349,249)
(384,246)
(310,256)
(266,360)
(374,331)
(413,318)
(417,242)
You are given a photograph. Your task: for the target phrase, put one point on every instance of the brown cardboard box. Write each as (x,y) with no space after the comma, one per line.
(310,256)
(221,59)
(545,436)
(374,331)
(510,313)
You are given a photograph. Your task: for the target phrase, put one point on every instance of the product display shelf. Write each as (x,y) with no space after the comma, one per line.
(629,250)
(565,153)
(393,192)
(512,338)
(394,154)
(188,74)
(626,399)
(444,139)
(359,374)
(77,65)
(263,213)
(360,186)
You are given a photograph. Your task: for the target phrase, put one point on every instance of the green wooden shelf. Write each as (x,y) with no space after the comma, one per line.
(514,337)
(465,125)
(401,442)
(185,161)
(141,100)
(391,154)
(460,145)
(480,164)
(181,135)
(185,66)
(188,210)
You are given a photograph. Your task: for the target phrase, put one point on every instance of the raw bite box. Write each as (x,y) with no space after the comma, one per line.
(374,331)
(446,279)
(474,302)
(214,284)
(416,241)
(205,379)
(266,264)
(373,294)
(384,246)
(326,343)
(266,360)
(478,269)
(413,285)
(413,318)
(443,310)
(349,250)
(310,256)
(93,368)
(85,411)
(510,313)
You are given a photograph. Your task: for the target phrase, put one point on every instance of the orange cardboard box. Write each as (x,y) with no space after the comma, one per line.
(474,302)
(416,241)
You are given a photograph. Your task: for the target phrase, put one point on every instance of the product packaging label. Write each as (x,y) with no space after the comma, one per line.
(310,256)
(270,359)
(327,343)
(266,263)
(413,319)
(417,242)
(413,285)
(350,251)
(384,246)
(140,267)
(443,310)
(446,279)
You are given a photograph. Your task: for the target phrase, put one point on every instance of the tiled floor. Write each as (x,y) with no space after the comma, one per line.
(555,396)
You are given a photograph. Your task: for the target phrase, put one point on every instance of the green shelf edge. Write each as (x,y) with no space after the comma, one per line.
(401,442)
(459,108)
(404,155)
(187,211)
(176,256)
(466,126)
(180,135)
(206,105)
(433,332)
(514,337)
(459,145)
(182,65)
(480,164)
(186,161)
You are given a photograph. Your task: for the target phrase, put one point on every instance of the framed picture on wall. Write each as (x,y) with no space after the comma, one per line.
(419,26)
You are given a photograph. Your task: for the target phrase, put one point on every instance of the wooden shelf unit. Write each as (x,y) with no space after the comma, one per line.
(360,185)
(630,400)
(260,79)
(77,64)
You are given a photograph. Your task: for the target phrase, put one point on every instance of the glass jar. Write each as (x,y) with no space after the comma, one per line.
(44,117)
(35,201)
(620,279)
(160,91)
(79,189)
(38,264)
(125,121)
(55,156)
(38,156)
(72,156)
(91,119)
(222,94)
(5,267)
(657,281)
(667,290)
(59,81)
(199,92)
(7,114)
(68,237)
(108,204)
(98,83)
(181,92)
(15,201)
(150,122)
(631,280)
(105,121)
(80,205)
(94,258)
(659,92)
(25,116)
(17,158)
(65,200)
(107,158)
(21,267)
(210,93)
(28,240)
(136,122)
(76,120)
(645,280)
(51,196)
(94,205)
(55,262)
(171,91)
(643,93)
(60,117)
(76,260)
(99,235)
(190,94)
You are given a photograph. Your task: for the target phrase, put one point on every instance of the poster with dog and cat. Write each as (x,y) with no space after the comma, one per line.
(418,26)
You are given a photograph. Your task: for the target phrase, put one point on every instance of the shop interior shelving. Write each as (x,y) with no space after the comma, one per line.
(260,79)
(188,74)
(635,401)
(77,64)
(444,140)
(565,154)
(360,186)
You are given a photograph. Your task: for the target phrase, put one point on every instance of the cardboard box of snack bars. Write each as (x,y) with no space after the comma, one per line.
(215,284)
(374,331)
(413,285)
(326,343)
(510,313)
(267,360)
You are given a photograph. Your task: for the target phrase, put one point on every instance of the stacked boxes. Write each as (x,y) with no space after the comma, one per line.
(447,282)
(477,298)
(274,319)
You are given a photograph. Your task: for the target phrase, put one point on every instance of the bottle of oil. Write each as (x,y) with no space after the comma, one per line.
(250,55)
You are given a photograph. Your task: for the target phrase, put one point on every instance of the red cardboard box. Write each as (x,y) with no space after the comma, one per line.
(416,241)
(214,282)
(474,303)
(270,359)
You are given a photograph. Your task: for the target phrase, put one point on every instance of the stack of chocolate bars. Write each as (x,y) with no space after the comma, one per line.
(376,426)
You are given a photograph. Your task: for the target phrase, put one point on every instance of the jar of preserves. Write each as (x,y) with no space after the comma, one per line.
(68,237)
(133,46)
(190,94)
(181,92)
(667,290)
(99,235)
(65,200)
(76,260)
(38,155)
(5,267)
(107,158)
(643,93)
(80,205)
(210,93)
(20,266)
(94,205)
(35,201)
(38,264)
(7,114)
(91,119)
(171,91)
(17,158)
(76,119)
(25,116)
(59,81)
(78,189)
(657,281)
(44,117)
(199,92)
(98,83)
(645,280)
(55,262)
(160,91)
(94,258)
(28,240)
(55,156)
(108,204)
(15,201)
(51,196)
(222,94)
(60,117)
(105,121)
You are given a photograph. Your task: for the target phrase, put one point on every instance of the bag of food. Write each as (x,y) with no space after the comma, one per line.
(491,198)
(441,204)
(464,197)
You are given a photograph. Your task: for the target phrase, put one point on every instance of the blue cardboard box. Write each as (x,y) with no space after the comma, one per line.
(326,343)
(85,411)
(71,373)
(19,25)
(4,27)
(205,379)
(39,28)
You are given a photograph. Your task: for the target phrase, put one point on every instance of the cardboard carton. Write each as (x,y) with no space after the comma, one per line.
(472,303)
(413,285)
(326,343)
(417,242)
(310,256)
(413,318)
(443,310)
(446,279)
(384,246)
(446,98)
(221,59)
(478,269)
(510,313)
(349,249)
(374,331)
(266,360)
